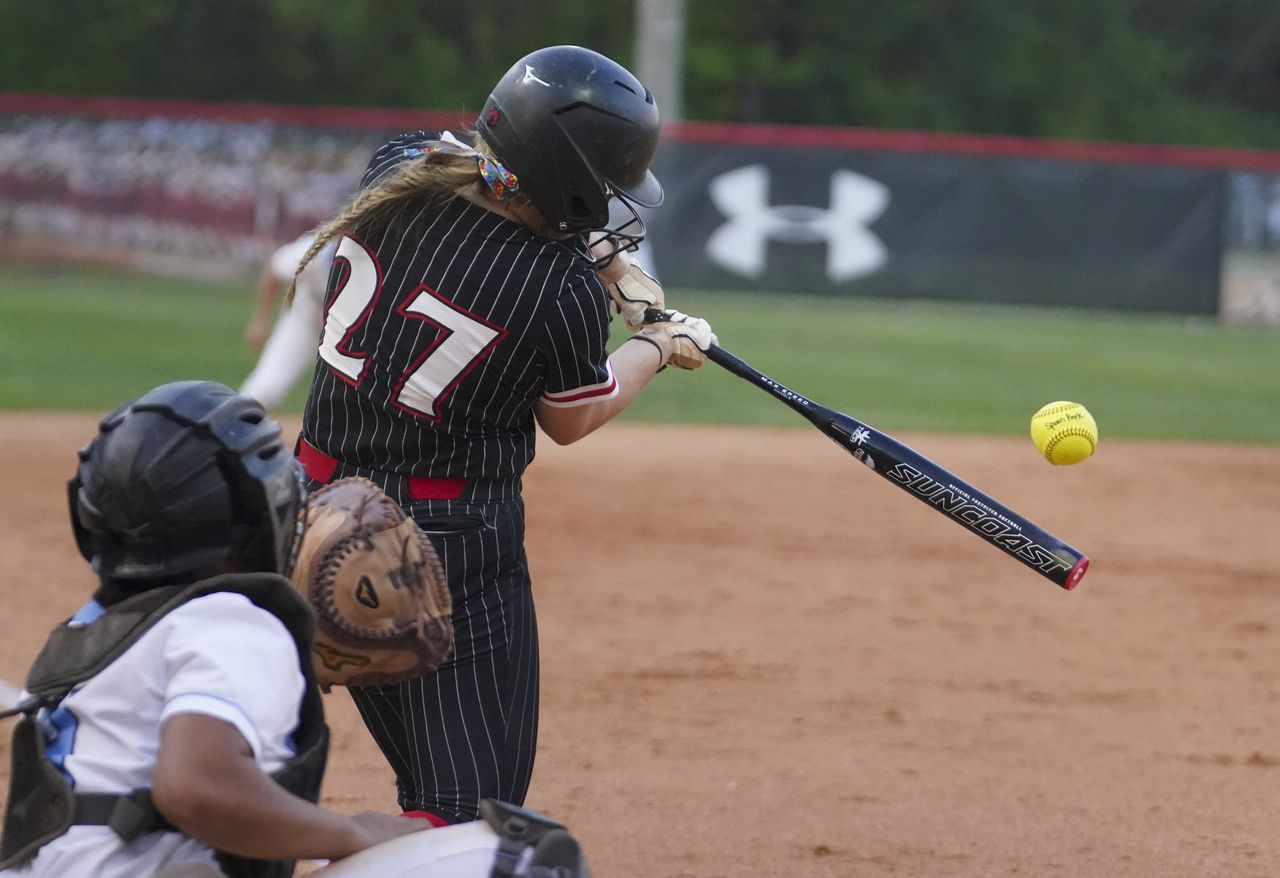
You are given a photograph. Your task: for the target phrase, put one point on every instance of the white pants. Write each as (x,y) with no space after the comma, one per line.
(463,851)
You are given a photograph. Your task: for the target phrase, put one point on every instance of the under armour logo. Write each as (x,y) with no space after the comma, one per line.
(530,77)
(742,195)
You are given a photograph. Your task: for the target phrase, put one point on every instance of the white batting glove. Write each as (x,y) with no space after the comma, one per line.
(635,292)
(683,339)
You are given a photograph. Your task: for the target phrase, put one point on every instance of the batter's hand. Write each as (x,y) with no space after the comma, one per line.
(684,340)
(634,293)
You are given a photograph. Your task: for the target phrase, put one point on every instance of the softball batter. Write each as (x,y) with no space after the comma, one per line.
(467,304)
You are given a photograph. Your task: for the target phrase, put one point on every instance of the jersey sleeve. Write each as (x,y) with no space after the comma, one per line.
(573,345)
(231,660)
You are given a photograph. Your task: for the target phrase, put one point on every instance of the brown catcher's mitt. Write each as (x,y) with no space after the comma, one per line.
(380,595)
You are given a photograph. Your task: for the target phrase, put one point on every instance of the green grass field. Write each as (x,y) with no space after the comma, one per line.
(86,340)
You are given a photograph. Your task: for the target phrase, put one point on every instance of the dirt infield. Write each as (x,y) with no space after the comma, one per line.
(761,660)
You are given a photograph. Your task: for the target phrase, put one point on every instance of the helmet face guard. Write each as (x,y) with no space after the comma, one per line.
(577,130)
(185,476)
(625,235)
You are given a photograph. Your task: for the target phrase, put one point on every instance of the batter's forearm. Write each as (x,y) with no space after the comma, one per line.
(633,364)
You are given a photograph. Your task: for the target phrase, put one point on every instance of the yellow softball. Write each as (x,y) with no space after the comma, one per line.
(1064,432)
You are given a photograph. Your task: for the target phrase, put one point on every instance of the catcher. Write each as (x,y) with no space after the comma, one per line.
(174,725)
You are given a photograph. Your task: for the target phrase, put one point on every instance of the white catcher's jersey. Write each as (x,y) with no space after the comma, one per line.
(217,655)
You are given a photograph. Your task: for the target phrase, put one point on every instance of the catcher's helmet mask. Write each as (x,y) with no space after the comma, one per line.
(188,475)
(577,129)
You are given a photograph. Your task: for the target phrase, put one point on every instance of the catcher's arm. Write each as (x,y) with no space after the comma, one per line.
(207,783)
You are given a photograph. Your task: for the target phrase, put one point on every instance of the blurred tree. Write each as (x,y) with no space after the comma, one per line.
(1233,47)
(96,47)
(438,55)
(397,53)
(1184,71)
(1087,69)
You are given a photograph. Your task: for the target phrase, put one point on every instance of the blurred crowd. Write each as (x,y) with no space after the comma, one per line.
(217,196)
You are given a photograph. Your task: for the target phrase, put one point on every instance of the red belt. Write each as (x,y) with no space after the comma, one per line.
(321,467)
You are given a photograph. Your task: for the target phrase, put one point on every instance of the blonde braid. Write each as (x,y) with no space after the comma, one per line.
(428,180)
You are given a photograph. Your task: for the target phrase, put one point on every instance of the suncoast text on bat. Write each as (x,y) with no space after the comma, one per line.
(978,517)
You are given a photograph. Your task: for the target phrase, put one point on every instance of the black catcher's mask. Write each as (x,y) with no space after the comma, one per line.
(185,476)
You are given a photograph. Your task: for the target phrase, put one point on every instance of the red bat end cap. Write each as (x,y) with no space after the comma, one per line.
(1077,573)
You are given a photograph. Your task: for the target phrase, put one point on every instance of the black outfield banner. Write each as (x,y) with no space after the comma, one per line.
(992,228)
(209,190)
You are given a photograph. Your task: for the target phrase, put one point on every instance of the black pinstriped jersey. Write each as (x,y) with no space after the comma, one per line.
(442,328)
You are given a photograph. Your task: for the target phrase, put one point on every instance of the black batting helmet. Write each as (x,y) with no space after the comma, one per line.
(185,476)
(576,129)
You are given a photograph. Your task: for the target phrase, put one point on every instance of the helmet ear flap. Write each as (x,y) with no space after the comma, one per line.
(277,490)
(84,542)
(86,519)
(579,211)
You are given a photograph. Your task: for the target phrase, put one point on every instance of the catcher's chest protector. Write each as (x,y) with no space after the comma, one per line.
(42,805)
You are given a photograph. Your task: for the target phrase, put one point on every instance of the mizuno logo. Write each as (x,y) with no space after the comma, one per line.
(529,76)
